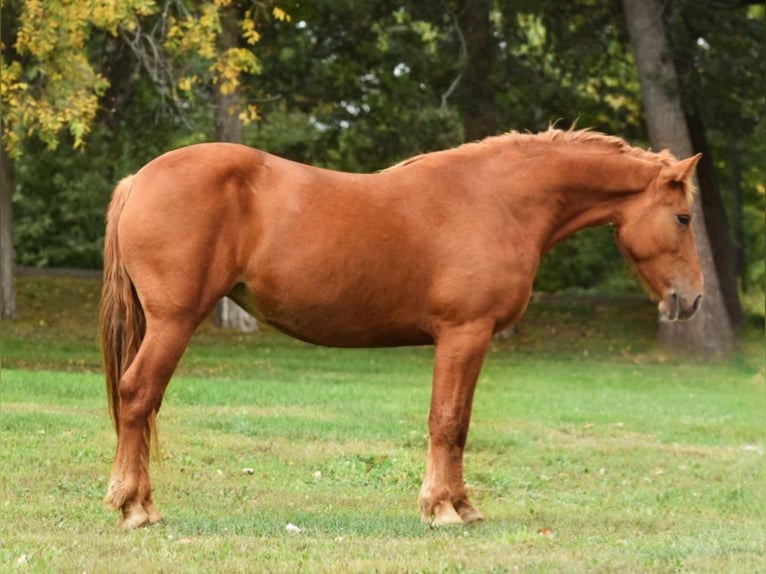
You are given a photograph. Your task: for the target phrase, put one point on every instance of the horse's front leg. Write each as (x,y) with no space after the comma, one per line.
(460,352)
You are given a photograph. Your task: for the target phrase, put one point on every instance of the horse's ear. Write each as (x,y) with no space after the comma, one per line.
(681,170)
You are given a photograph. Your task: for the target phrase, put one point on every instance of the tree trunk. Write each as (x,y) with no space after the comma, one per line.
(476,96)
(716,222)
(8,308)
(709,332)
(228,128)
(738,210)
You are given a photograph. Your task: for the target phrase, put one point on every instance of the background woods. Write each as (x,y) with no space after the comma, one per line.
(91,91)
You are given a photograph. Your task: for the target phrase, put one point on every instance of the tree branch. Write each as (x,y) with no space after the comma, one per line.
(463,63)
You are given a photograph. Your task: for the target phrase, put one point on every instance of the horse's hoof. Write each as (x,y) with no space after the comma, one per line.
(133,516)
(445,515)
(469,513)
(152,512)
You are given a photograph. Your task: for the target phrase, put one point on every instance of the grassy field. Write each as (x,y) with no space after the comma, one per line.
(591,450)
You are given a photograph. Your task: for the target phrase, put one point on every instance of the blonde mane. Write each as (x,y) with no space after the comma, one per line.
(583,137)
(586,137)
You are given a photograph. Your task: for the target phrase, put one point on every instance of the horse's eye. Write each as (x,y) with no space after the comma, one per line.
(683,218)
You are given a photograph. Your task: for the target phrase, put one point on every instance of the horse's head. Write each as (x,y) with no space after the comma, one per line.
(655,233)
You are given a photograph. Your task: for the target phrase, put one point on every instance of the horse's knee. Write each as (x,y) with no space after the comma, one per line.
(139,396)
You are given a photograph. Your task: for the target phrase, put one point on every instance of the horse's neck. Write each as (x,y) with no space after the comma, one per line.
(570,189)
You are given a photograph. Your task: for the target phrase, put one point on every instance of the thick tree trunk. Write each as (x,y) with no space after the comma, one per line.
(476,96)
(228,128)
(8,308)
(709,332)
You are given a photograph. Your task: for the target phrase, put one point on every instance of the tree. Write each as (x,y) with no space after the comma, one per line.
(8,309)
(718,50)
(709,332)
(716,222)
(476,93)
(48,86)
(357,86)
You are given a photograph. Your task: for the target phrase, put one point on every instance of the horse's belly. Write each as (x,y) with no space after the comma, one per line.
(349,323)
(333,335)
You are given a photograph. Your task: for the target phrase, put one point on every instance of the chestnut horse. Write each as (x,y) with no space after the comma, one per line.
(440,249)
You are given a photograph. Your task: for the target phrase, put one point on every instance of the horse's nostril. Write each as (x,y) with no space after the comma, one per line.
(697,303)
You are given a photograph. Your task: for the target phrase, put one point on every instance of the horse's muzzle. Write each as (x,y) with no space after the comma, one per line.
(675,306)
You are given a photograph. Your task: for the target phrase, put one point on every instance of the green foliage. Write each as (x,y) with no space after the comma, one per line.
(362,77)
(746,154)
(720,55)
(70,232)
(592,262)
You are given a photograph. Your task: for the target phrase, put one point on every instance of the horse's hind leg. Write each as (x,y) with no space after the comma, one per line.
(140,393)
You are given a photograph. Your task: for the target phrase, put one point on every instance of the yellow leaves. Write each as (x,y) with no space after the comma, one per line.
(57,88)
(9,79)
(230,65)
(198,35)
(249,33)
(32,37)
(12,94)
(194,34)
(54,87)
(280,14)
(249,114)
(187,83)
(112,14)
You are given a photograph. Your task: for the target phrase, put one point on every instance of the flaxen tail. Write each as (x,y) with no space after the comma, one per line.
(122,321)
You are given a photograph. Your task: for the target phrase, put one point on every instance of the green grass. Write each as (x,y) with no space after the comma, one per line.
(635,460)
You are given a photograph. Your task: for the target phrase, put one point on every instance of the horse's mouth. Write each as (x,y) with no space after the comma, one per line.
(675,307)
